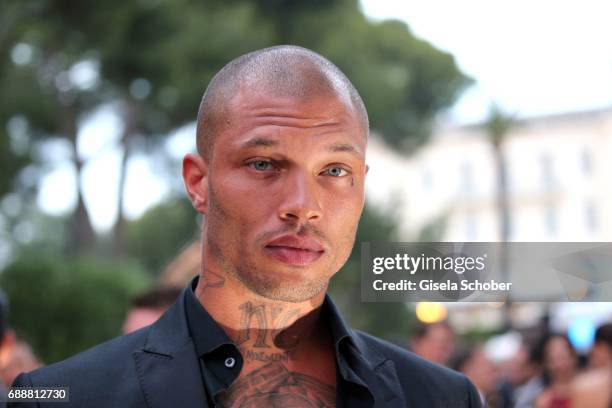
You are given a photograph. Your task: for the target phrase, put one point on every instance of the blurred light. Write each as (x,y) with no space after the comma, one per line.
(84,74)
(57,193)
(503,347)
(182,141)
(23,232)
(22,54)
(29,176)
(140,88)
(63,82)
(143,188)
(168,96)
(431,312)
(11,205)
(99,186)
(581,333)
(54,150)
(99,133)
(578,293)
(17,129)
(5,252)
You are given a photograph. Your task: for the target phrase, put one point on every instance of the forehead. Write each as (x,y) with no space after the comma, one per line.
(318,114)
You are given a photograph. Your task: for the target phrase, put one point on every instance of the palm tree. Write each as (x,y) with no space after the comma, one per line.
(498,125)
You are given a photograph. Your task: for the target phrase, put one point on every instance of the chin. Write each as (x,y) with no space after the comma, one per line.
(288,286)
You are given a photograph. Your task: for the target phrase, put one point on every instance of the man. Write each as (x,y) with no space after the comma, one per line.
(148,307)
(7,341)
(279,177)
(591,389)
(531,384)
(472,360)
(434,342)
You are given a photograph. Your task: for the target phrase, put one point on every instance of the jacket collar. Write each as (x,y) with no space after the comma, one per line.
(169,372)
(345,339)
(167,366)
(362,365)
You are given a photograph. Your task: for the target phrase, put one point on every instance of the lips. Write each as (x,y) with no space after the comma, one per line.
(294,250)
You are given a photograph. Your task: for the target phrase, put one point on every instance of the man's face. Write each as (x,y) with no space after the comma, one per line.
(285,192)
(437,345)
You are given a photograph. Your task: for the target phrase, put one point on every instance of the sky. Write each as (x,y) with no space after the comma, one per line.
(530,57)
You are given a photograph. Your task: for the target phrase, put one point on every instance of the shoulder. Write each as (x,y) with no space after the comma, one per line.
(421,377)
(111,355)
(105,370)
(409,363)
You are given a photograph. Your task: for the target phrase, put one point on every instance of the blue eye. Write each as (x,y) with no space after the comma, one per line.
(336,172)
(260,165)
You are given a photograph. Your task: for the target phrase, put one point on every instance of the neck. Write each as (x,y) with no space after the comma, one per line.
(265,329)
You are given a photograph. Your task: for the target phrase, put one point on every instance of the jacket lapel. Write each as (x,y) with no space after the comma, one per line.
(373,374)
(379,374)
(168,366)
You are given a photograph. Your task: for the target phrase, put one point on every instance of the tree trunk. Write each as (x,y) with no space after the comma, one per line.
(503,210)
(130,126)
(82,236)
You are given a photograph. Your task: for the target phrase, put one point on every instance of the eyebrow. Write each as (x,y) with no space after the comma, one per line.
(344,147)
(259,142)
(335,148)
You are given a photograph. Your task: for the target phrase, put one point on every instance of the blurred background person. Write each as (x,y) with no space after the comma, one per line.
(592,389)
(472,360)
(526,374)
(434,342)
(601,353)
(20,359)
(7,338)
(16,355)
(148,307)
(561,366)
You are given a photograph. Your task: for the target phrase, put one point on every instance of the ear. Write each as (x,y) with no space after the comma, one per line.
(195,177)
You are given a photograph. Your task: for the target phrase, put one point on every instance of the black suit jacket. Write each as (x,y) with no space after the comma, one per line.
(157,366)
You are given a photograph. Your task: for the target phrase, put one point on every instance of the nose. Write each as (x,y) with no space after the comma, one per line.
(300,202)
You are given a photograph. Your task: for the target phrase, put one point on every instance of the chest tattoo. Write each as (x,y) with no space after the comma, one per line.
(273,385)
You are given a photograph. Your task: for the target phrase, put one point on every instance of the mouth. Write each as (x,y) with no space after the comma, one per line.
(295,251)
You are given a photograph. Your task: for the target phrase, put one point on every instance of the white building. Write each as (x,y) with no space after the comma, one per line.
(558,169)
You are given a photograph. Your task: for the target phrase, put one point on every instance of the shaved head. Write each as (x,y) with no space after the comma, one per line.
(281,71)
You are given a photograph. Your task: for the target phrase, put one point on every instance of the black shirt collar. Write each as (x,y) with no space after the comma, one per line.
(207,335)
(353,358)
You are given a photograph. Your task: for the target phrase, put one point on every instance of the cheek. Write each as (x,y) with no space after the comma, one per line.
(342,218)
(239,198)
(344,212)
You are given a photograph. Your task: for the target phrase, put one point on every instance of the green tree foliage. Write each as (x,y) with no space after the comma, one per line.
(154,58)
(160,234)
(62,307)
(403,80)
(11,163)
(388,320)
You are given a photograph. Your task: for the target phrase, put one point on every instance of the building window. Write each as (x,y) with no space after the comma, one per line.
(550,220)
(471,227)
(467,179)
(590,217)
(586,161)
(548,176)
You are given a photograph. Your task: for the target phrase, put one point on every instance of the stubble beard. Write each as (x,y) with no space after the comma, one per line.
(235,258)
